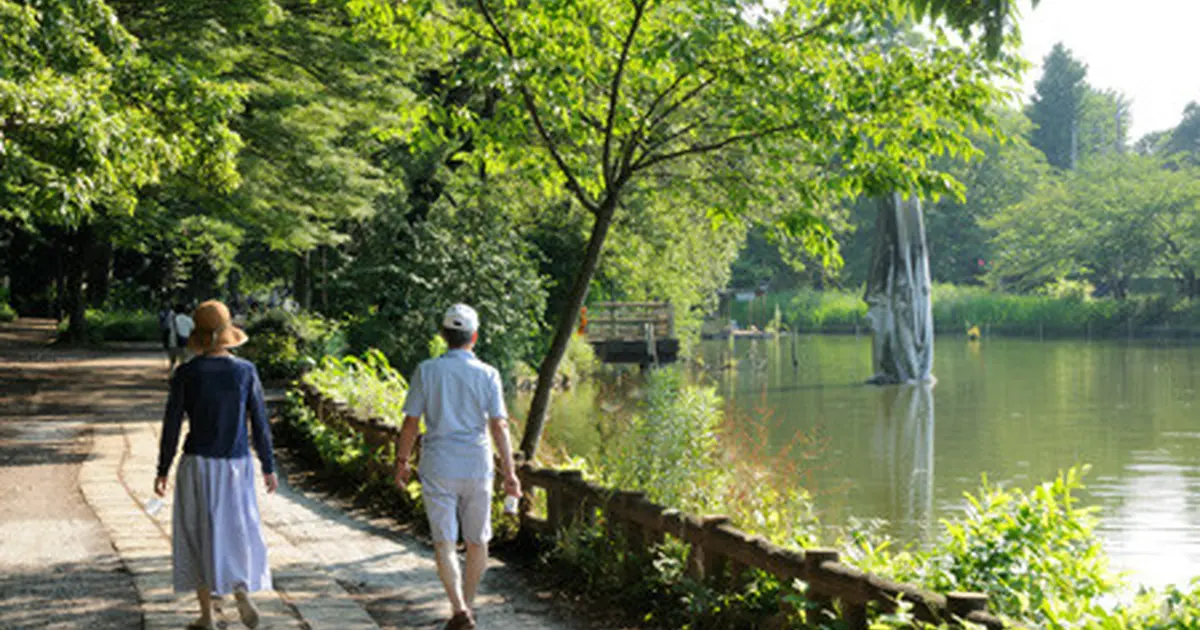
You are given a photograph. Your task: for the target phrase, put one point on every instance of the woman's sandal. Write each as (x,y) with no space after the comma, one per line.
(247,611)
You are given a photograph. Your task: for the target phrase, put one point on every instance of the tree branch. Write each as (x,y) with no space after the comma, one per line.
(458,23)
(614,93)
(651,148)
(646,162)
(531,107)
(661,96)
(658,120)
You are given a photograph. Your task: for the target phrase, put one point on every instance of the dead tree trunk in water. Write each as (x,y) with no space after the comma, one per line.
(898,295)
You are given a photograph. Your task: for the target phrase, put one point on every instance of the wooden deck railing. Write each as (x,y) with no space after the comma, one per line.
(719,551)
(613,321)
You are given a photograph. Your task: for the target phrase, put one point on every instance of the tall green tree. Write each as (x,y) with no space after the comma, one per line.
(1183,142)
(1056,106)
(616,94)
(960,243)
(1104,121)
(320,108)
(88,120)
(1110,221)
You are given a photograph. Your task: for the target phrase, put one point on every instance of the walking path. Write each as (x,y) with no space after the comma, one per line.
(78,443)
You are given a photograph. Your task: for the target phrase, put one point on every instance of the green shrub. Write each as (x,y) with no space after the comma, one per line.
(346,459)
(579,362)
(283,344)
(370,385)
(7,313)
(655,584)
(1036,554)
(669,448)
(119,326)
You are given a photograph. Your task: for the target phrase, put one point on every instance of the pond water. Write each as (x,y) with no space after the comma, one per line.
(1015,410)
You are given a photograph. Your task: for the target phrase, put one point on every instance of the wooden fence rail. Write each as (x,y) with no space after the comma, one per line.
(719,551)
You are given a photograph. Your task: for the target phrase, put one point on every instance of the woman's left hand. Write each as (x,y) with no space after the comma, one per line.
(272,482)
(160,486)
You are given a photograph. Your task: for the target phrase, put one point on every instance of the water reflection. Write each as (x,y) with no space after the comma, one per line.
(1017,411)
(902,444)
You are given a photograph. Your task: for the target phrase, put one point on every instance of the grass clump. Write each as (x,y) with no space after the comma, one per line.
(1064,309)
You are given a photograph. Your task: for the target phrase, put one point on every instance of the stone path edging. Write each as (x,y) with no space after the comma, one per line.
(123,455)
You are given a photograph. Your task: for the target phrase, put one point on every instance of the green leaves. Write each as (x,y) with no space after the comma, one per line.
(614,92)
(88,121)
(1108,221)
(1034,553)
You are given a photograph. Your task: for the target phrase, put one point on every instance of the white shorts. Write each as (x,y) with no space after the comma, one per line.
(453,502)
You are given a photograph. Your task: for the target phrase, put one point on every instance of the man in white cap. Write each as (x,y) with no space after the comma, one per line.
(461,399)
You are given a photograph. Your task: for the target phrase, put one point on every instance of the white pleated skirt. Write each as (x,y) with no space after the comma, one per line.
(217,535)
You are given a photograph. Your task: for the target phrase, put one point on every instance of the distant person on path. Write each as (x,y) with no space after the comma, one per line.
(461,399)
(180,328)
(217,539)
(166,329)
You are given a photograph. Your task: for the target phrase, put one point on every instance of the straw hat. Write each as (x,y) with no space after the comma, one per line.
(214,329)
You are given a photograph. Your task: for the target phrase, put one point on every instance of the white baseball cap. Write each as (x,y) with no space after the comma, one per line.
(461,317)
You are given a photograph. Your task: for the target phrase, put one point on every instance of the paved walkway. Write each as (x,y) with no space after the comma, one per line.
(333,568)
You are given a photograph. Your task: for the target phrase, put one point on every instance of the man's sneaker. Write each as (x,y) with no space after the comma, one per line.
(460,621)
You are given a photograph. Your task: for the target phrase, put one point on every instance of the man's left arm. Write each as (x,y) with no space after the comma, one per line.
(498,424)
(500,437)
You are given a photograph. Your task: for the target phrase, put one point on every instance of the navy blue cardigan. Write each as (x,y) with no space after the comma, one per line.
(216,393)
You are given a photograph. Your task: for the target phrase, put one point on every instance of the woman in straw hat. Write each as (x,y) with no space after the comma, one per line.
(217,537)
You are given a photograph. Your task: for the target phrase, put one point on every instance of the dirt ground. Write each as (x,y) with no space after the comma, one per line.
(58,568)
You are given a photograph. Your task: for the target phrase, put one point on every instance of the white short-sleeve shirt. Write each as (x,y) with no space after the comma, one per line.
(457,393)
(184,325)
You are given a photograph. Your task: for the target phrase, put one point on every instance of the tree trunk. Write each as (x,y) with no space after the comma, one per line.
(325,279)
(303,282)
(564,329)
(1191,286)
(898,295)
(63,252)
(76,301)
(99,271)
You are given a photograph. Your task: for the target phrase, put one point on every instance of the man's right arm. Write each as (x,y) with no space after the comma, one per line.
(497,414)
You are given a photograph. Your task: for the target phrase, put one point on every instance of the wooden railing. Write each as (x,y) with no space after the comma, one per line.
(613,321)
(719,552)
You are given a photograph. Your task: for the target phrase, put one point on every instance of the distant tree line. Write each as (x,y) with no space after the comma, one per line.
(1060,195)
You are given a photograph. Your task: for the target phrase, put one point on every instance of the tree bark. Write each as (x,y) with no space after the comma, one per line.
(303,282)
(99,271)
(565,328)
(63,252)
(898,294)
(77,328)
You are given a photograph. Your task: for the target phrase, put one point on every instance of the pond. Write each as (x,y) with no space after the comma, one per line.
(1017,411)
